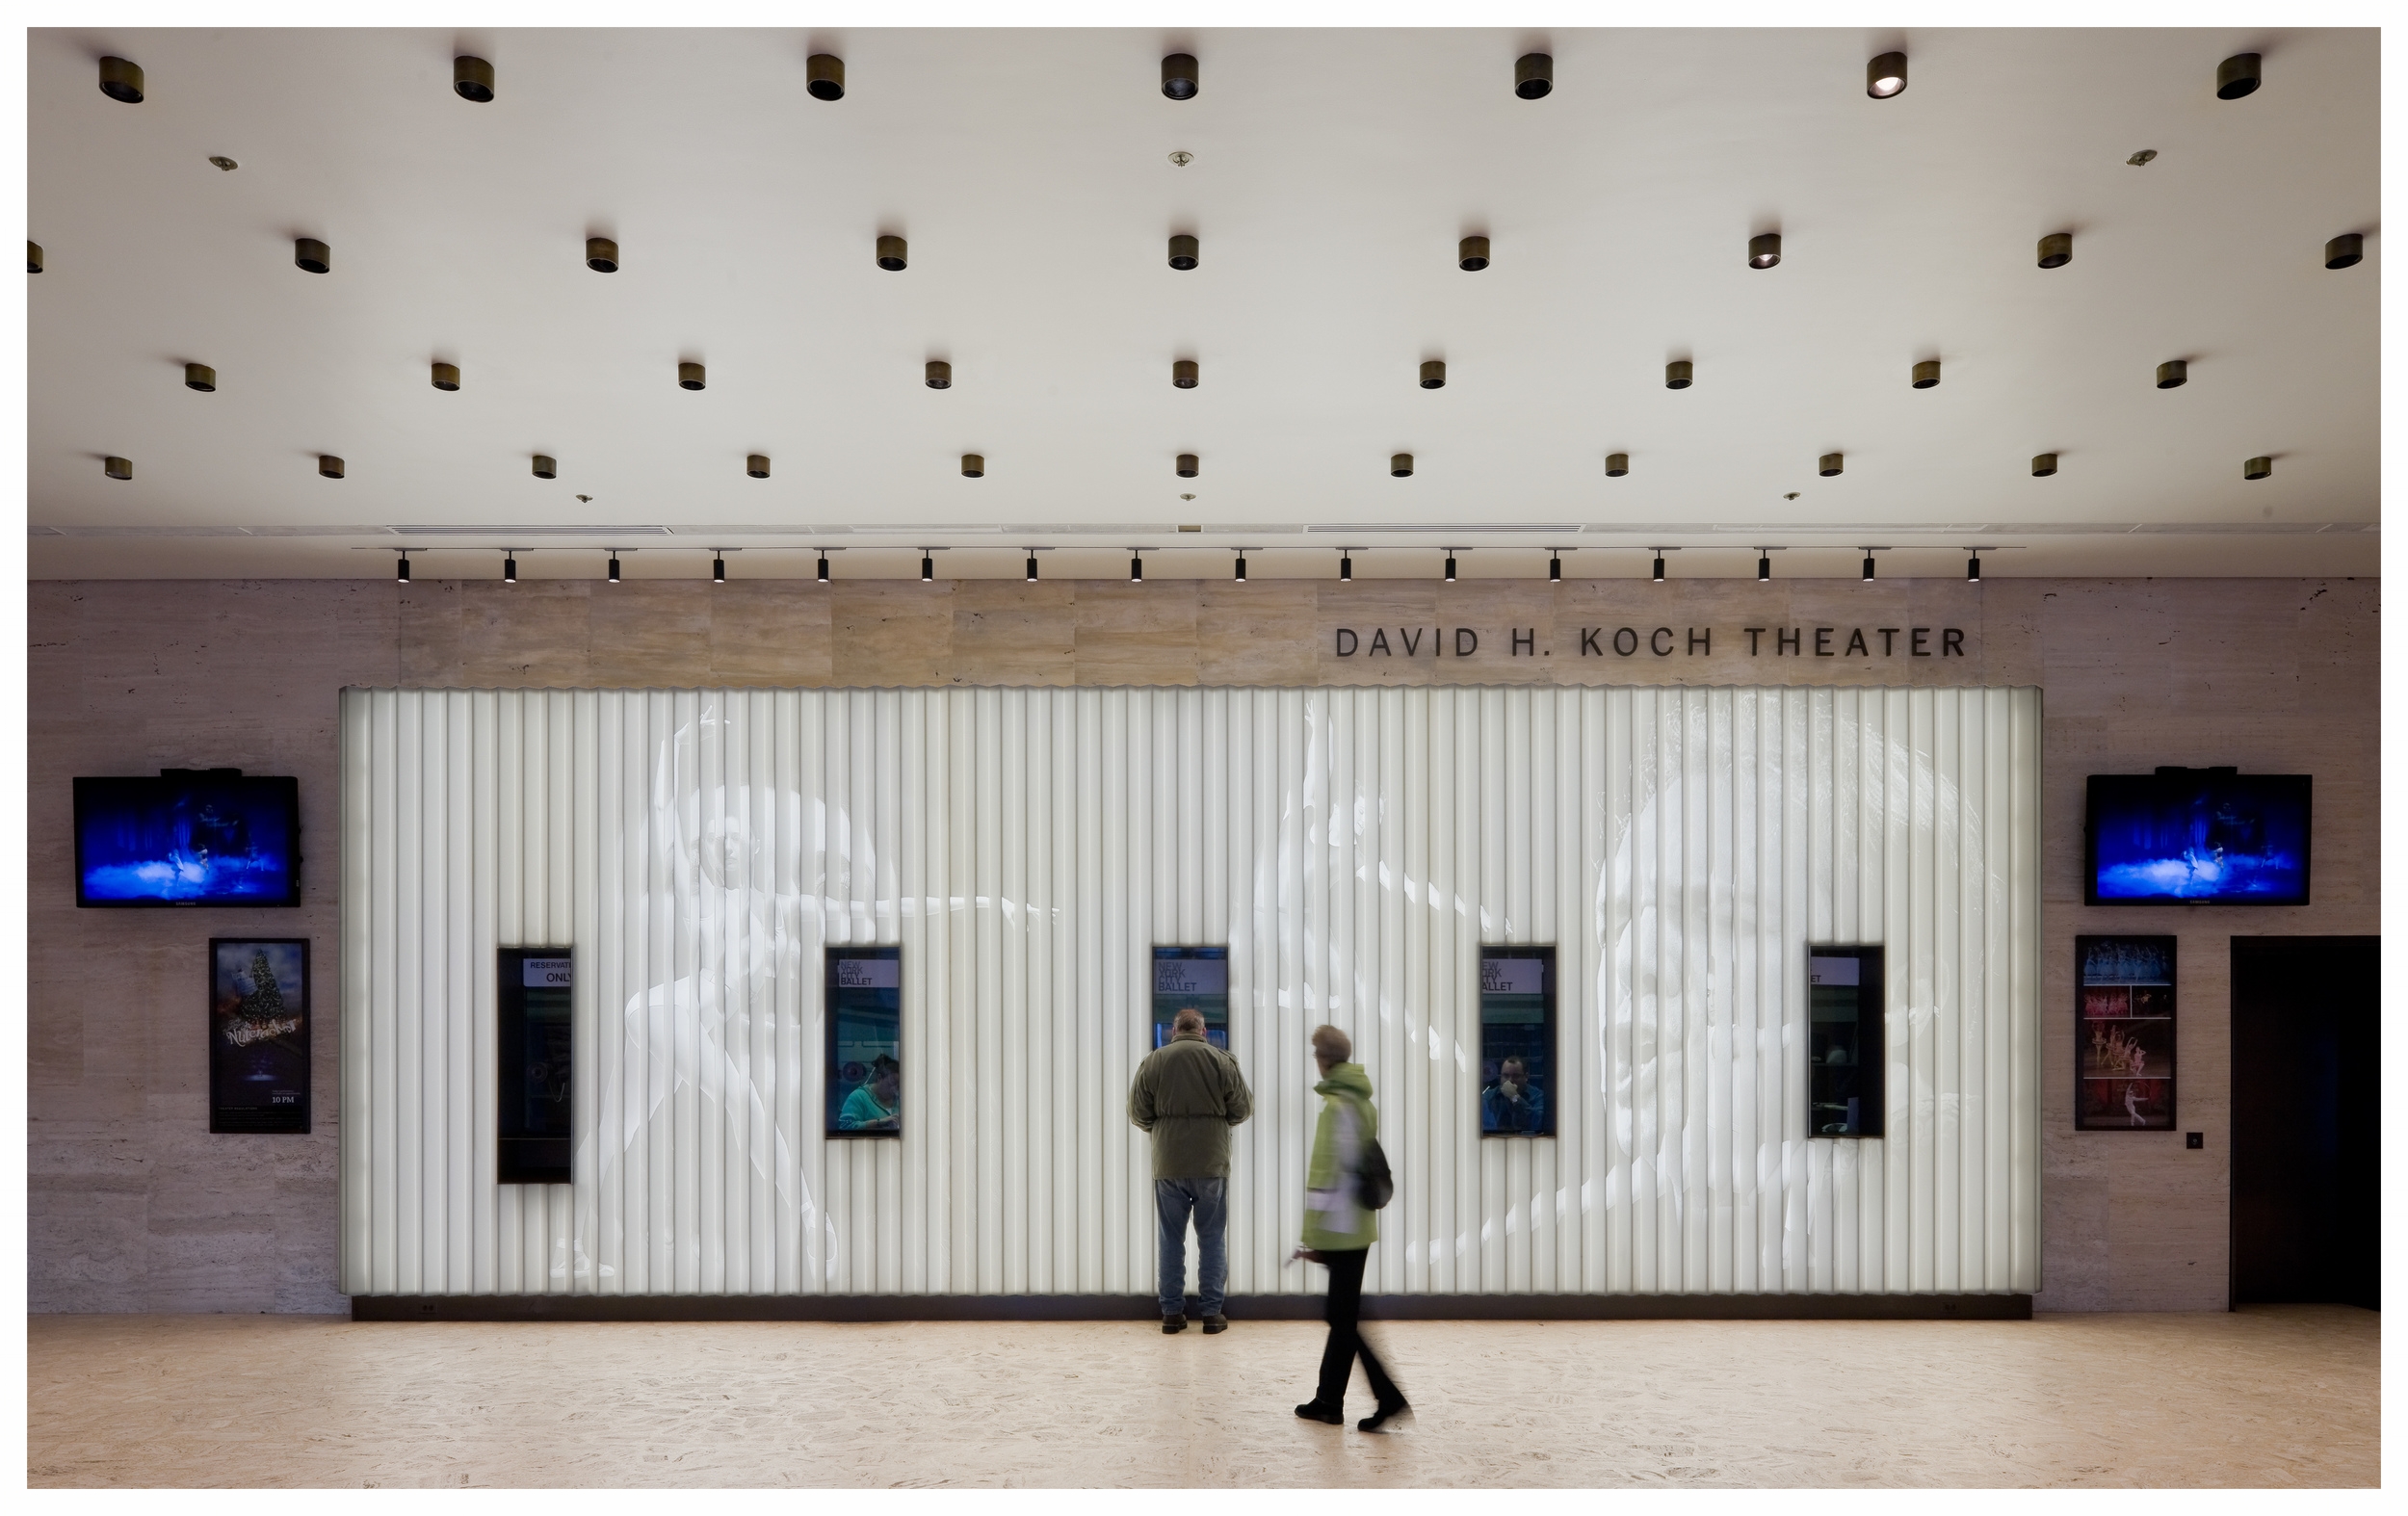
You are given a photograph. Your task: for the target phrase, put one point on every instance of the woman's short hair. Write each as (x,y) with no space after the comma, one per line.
(1332,1044)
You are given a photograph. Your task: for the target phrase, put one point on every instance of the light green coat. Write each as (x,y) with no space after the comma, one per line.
(1334,1217)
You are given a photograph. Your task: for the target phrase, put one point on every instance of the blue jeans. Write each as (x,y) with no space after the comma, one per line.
(1209,1200)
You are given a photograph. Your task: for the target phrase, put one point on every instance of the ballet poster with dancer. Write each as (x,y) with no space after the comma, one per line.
(2124,1033)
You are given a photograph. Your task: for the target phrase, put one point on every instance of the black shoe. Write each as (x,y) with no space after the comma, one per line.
(1216,1323)
(1316,1411)
(1174,1323)
(1384,1416)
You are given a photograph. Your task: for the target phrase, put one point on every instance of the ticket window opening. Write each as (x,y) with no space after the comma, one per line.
(864,990)
(1517,1042)
(537,1055)
(1844,1044)
(1193,977)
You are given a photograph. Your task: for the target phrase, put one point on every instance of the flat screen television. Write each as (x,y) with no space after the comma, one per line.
(2197,837)
(187,837)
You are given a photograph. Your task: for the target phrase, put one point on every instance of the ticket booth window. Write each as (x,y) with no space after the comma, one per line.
(864,1018)
(537,1054)
(1192,978)
(1517,1042)
(1844,1044)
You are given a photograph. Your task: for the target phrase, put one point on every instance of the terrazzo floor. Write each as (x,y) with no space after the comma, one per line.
(2271,1396)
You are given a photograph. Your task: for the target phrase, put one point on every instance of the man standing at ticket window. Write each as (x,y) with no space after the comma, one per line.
(1187,1094)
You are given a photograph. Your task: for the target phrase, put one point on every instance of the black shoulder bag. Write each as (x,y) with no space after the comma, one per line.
(1373,1184)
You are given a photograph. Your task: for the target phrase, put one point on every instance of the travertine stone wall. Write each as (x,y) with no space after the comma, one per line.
(133,1207)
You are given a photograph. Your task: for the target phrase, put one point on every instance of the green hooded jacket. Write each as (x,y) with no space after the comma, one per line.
(1334,1217)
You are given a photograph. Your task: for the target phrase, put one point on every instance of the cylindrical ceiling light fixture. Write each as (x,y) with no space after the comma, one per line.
(1886,76)
(546,468)
(117,467)
(973,465)
(2256,468)
(1764,565)
(1185,250)
(443,376)
(1136,567)
(1345,567)
(1678,373)
(2173,374)
(719,567)
(1657,573)
(893,254)
(1972,566)
(1927,373)
(602,255)
(823,75)
(472,79)
(1451,566)
(822,568)
(33,257)
(1401,465)
(121,81)
(401,571)
(1617,464)
(1241,572)
(1184,374)
(2237,76)
(1868,565)
(330,466)
(1830,464)
(690,376)
(1186,467)
(609,571)
(756,465)
(1434,374)
(1032,565)
(313,257)
(2043,465)
(2344,250)
(1555,566)
(1764,249)
(510,566)
(1471,254)
(2056,249)
(940,373)
(1533,75)
(201,377)
(1179,81)
(927,565)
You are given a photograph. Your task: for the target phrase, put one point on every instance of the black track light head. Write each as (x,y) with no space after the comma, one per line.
(1450,566)
(1972,566)
(822,568)
(1137,568)
(1764,565)
(1658,574)
(1031,569)
(401,573)
(1241,574)
(1345,567)
(719,570)
(610,573)
(1555,568)
(510,567)
(1868,565)
(928,568)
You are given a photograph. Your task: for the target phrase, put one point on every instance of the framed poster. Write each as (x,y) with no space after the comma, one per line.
(534,1029)
(259,1035)
(1517,1042)
(864,1043)
(1846,1040)
(2123,1033)
(1193,978)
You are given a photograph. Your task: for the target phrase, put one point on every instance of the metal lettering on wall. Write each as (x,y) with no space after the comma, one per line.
(1661,642)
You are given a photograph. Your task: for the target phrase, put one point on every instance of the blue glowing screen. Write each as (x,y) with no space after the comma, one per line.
(204,840)
(2200,838)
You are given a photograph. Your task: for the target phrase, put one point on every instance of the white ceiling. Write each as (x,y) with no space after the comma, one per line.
(1333,172)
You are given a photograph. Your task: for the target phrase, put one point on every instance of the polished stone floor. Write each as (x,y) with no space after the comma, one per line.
(2271,1396)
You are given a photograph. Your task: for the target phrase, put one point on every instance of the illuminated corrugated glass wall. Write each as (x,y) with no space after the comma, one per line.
(1353,847)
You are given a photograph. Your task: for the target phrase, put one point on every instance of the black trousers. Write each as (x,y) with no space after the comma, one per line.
(1343,1311)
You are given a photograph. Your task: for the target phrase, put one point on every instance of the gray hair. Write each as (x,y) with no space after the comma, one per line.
(1330,1043)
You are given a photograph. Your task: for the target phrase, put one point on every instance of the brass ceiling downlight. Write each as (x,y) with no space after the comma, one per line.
(2256,468)
(1830,464)
(201,377)
(472,79)
(973,465)
(313,257)
(1678,373)
(444,376)
(893,254)
(1187,465)
(825,73)
(2173,374)
(690,376)
(1927,373)
(602,255)
(1184,374)
(1886,76)
(1764,251)
(756,465)
(117,467)
(1434,374)
(1179,76)
(121,81)
(546,467)
(330,466)
(940,373)
(1184,252)
(2237,76)
(1533,75)
(1617,464)
(2344,250)
(2056,249)
(2043,465)
(1471,254)
(1401,465)
(33,257)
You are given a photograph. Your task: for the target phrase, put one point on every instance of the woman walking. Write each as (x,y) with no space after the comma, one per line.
(1338,1231)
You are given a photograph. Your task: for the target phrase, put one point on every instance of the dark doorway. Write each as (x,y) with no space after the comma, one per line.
(2307,1120)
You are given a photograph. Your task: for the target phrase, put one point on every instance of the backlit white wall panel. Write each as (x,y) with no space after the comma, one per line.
(1353,847)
